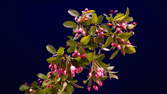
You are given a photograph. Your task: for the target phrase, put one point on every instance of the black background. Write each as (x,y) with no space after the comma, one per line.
(27,26)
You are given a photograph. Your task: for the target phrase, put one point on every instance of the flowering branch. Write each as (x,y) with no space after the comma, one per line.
(93,35)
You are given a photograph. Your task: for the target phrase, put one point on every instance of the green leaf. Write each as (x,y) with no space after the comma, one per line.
(108,18)
(114,54)
(85,40)
(41,76)
(92,30)
(24,87)
(129,19)
(125,35)
(71,43)
(69,24)
(69,89)
(51,49)
(130,49)
(70,49)
(94,18)
(100,57)
(90,56)
(121,16)
(97,40)
(108,42)
(54,59)
(103,64)
(106,28)
(73,12)
(60,51)
(100,19)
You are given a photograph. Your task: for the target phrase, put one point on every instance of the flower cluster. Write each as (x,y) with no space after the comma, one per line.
(92,36)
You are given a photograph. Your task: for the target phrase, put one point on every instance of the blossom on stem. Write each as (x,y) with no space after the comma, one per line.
(95,87)
(73,70)
(99,72)
(118,46)
(89,88)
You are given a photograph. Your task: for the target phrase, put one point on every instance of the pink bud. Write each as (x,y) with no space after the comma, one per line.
(78,54)
(100,83)
(86,9)
(97,30)
(97,76)
(77,34)
(115,11)
(80,30)
(84,33)
(55,66)
(30,90)
(114,44)
(119,47)
(102,29)
(95,87)
(65,72)
(73,68)
(83,56)
(90,74)
(50,66)
(109,24)
(61,70)
(79,69)
(89,88)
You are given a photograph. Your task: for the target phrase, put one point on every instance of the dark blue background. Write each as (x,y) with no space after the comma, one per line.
(27,26)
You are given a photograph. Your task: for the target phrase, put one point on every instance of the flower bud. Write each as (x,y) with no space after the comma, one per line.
(89,88)
(95,87)
(100,83)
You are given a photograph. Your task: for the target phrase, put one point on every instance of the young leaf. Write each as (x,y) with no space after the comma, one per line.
(125,35)
(54,59)
(130,50)
(69,89)
(108,42)
(24,87)
(90,56)
(100,19)
(111,75)
(100,57)
(60,51)
(41,76)
(103,64)
(73,12)
(85,40)
(114,54)
(121,16)
(69,24)
(51,49)
(94,18)
(106,28)
(70,49)
(92,30)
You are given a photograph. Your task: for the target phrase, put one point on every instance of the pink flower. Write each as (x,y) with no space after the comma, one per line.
(90,74)
(89,88)
(79,69)
(76,53)
(65,72)
(95,87)
(99,72)
(30,90)
(100,83)
(73,70)
(116,45)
